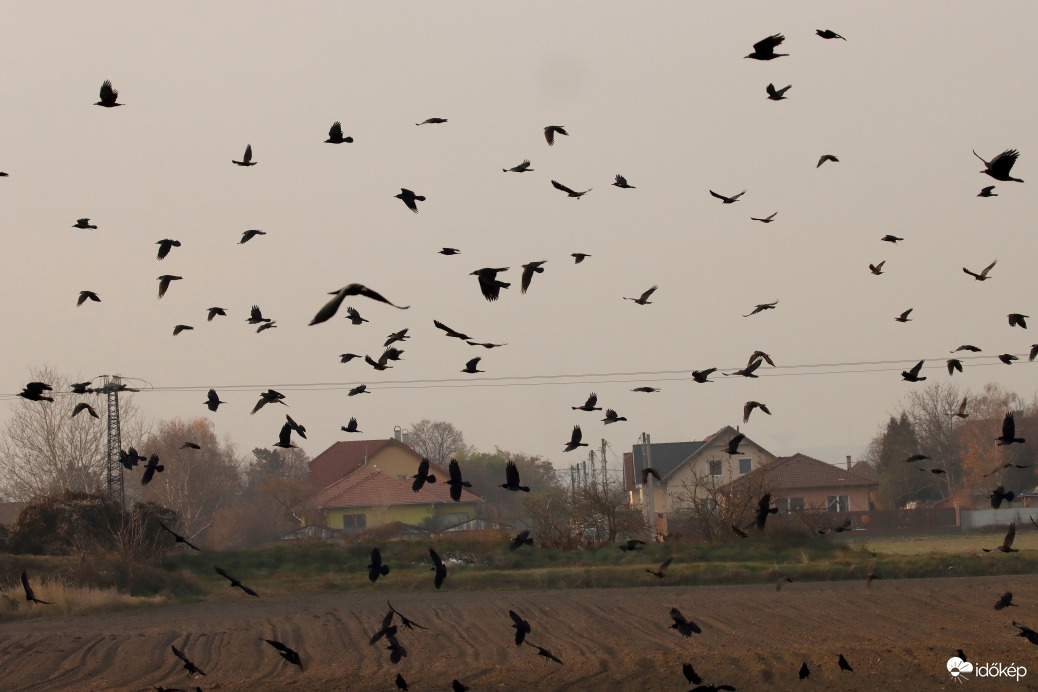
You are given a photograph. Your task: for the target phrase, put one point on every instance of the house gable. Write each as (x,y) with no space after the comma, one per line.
(343,458)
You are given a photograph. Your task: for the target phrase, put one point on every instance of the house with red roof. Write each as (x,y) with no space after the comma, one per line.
(367,484)
(800,482)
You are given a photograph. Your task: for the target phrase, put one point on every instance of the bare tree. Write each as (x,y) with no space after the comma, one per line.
(552,519)
(710,507)
(437,441)
(194,482)
(45,451)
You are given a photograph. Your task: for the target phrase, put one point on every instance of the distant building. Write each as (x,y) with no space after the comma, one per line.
(800,482)
(367,484)
(686,468)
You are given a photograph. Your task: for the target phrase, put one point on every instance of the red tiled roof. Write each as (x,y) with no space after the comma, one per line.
(368,486)
(802,471)
(343,458)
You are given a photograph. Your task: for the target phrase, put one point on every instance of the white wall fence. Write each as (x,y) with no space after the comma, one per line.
(979,518)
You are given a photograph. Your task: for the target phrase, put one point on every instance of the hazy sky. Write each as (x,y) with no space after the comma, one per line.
(659,92)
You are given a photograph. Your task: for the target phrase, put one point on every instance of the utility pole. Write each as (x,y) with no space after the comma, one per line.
(650,490)
(605,475)
(113,384)
(594,471)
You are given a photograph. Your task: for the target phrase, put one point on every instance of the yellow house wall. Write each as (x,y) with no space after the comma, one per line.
(408,514)
(395,461)
(858,497)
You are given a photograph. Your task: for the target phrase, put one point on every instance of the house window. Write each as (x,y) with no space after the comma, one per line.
(715,468)
(788,505)
(745,465)
(354,522)
(838,503)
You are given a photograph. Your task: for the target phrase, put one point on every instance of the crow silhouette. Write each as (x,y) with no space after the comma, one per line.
(286,653)
(30,595)
(574,440)
(1007,542)
(410,199)
(521,539)
(454,481)
(662,571)
(683,625)
(108,95)
(521,626)
(188,665)
(423,476)
(1000,166)
(335,137)
(1008,435)
(177,537)
(329,309)
(235,582)
(376,568)
(439,568)
(512,478)
(1005,601)
(765,48)
(551,130)
(541,651)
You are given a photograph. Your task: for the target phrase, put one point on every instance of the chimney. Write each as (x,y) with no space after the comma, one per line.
(405,438)
(397,433)
(848,462)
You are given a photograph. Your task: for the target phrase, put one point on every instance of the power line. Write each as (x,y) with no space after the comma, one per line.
(800,370)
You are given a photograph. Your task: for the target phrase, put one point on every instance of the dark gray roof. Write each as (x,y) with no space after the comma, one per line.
(665,456)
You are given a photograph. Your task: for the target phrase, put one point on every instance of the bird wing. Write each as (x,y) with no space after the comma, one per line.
(984,272)
(916,368)
(285,437)
(559,186)
(454,469)
(747,409)
(471,365)
(528,272)
(1010,535)
(576,435)
(1009,426)
(511,473)
(620,180)
(248,154)
(435,558)
(591,400)
(649,292)
(718,196)
(1003,163)
(336,131)
(666,564)
(108,94)
(767,45)
(519,622)
(361,290)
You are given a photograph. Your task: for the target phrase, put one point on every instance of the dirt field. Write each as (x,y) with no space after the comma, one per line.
(897,636)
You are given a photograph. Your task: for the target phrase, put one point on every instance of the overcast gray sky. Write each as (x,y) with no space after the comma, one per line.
(659,92)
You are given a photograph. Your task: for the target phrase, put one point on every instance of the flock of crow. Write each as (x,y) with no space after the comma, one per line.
(490,285)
